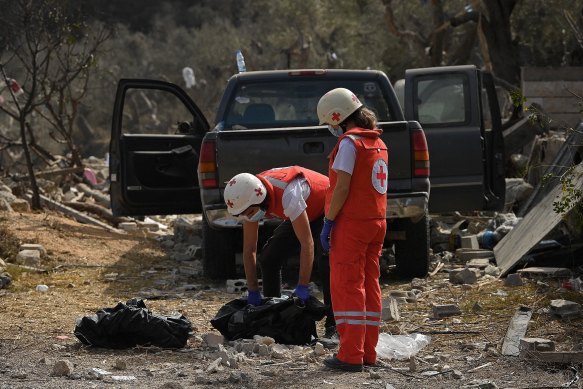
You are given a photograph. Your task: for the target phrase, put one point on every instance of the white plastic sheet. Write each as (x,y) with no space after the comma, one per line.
(400,346)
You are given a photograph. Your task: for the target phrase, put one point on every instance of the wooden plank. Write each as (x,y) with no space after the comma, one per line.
(533,227)
(79,216)
(516,330)
(554,356)
(567,73)
(552,89)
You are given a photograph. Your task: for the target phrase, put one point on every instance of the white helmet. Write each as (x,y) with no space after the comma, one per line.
(243,191)
(336,105)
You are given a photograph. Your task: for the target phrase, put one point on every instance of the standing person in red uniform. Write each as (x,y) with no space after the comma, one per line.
(297,196)
(354,226)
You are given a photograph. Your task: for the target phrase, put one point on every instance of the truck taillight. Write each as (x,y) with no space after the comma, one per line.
(421,153)
(207,165)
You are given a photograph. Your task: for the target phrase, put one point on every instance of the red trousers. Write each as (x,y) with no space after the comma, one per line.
(355,248)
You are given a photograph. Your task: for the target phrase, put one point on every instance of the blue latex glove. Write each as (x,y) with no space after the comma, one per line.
(325,234)
(303,292)
(254,297)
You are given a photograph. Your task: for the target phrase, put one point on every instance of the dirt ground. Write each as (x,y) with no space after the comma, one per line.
(89,268)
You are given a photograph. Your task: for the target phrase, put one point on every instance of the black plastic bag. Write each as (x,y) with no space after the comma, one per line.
(132,324)
(287,320)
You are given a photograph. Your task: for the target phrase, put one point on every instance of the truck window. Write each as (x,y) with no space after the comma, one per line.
(442,101)
(151,111)
(290,103)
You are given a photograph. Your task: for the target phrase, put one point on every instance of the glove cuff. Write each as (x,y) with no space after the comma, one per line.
(328,221)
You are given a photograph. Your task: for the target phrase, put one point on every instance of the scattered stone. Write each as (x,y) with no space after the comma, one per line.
(565,309)
(513,279)
(319,349)
(5,279)
(71,285)
(263,350)
(492,270)
(390,311)
(33,246)
(128,226)
(478,263)
(516,330)
(412,364)
(28,258)
(63,368)
(458,375)
(215,366)
(20,205)
(446,310)
(120,364)
(42,288)
(465,276)
(235,377)
(263,340)
(213,339)
(98,373)
(373,374)
(279,351)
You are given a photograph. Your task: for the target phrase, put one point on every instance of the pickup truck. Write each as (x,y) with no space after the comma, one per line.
(168,160)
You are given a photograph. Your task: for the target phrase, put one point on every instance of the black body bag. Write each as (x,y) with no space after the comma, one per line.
(287,320)
(132,324)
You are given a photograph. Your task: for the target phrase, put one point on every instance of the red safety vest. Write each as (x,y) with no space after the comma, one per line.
(368,185)
(276,180)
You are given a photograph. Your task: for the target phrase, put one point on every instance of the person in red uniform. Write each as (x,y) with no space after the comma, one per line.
(295,195)
(354,226)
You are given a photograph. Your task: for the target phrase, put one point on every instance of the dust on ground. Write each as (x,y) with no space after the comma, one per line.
(90,268)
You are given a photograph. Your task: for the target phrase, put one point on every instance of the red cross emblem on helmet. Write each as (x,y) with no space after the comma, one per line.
(336,116)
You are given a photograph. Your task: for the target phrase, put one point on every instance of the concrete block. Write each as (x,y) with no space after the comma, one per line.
(469,254)
(390,310)
(470,242)
(535,344)
(478,263)
(32,246)
(446,310)
(565,309)
(28,258)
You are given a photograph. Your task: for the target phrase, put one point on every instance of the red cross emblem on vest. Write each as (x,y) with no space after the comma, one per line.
(379,176)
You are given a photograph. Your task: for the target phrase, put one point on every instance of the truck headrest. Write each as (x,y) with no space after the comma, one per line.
(259,113)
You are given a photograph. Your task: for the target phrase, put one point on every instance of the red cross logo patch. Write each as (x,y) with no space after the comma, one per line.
(379,176)
(258,192)
(335,116)
(230,204)
(232,182)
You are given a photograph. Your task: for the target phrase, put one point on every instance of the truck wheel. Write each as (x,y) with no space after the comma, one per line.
(218,251)
(412,254)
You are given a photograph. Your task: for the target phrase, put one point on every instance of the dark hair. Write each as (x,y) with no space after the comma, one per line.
(363,118)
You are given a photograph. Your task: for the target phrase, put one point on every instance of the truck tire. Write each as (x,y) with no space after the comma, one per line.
(412,254)
(218,252)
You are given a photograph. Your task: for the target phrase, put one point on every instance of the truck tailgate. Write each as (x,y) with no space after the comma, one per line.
(253,151)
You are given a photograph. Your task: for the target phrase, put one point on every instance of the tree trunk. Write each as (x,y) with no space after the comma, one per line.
(495,26)
(35,202)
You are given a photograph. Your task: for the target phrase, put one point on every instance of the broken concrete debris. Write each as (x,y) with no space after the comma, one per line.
(445,310)
(516,330)
(565,309)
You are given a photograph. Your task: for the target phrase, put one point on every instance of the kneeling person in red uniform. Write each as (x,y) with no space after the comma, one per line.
(354,226)
(295,195)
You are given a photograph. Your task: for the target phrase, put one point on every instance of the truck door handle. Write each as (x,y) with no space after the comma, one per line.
(313,147)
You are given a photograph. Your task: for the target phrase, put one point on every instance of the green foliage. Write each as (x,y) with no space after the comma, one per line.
(570,193)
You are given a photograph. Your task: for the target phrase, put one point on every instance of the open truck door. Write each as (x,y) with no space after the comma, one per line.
(156,135)
(458,109)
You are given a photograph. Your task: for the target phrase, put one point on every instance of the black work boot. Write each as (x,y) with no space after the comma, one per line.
(336,364)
